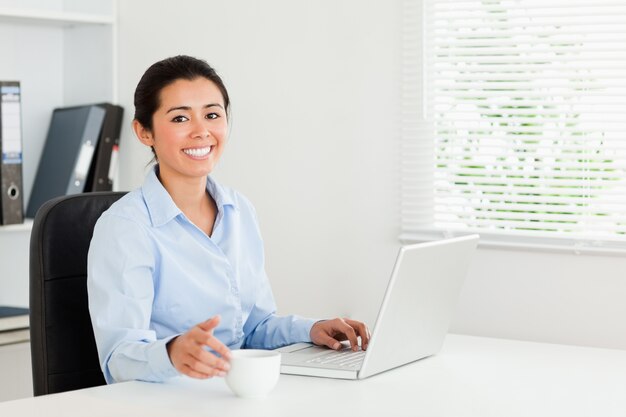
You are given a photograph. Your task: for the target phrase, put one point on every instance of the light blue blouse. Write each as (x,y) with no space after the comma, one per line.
(152,275)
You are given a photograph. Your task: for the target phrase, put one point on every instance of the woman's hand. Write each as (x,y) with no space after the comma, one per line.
(331,332)
(189,357)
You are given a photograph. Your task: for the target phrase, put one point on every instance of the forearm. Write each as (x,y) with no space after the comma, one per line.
(276,331)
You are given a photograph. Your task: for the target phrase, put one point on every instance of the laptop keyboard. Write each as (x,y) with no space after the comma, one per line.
(343,359)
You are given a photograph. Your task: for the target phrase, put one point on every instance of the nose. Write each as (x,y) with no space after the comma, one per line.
(200,129)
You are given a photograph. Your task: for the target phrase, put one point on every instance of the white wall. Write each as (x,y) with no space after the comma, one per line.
(549,297)
(314,139)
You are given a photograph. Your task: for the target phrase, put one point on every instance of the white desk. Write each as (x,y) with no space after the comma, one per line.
(471,377)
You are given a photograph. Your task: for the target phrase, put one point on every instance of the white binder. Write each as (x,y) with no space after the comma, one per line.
(11,200)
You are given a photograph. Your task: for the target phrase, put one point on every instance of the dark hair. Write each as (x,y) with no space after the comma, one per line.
(165,72)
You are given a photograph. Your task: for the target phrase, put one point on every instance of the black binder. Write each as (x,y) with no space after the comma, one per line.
(104,163)
(11,203)
(70,145)
(13,318)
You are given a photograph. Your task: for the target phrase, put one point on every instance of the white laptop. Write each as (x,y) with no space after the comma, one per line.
(413,319)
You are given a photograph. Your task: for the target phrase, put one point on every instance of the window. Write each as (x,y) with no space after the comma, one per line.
(522,134)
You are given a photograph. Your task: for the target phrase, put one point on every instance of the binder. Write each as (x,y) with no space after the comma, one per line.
(13,318)
(11,200)
(70,145)
(103,165)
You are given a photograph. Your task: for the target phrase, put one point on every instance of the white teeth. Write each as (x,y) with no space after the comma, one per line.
(198,152)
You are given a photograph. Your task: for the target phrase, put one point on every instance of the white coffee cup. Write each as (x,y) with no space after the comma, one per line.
(253,372)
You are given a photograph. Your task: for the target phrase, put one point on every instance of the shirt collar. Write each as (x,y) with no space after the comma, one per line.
(222,197)
(162,208)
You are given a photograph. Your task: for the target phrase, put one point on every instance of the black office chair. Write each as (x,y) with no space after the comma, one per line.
(63,348)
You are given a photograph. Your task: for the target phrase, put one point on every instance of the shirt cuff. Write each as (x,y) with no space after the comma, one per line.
(301,330)
(160,363)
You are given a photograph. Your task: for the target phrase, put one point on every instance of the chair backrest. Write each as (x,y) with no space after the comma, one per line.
(63,348)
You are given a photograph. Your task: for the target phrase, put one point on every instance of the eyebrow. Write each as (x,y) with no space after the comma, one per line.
(206,106)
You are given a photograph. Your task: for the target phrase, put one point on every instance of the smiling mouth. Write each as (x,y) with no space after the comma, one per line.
(198,152)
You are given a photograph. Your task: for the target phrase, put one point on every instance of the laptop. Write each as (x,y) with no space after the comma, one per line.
(417,308)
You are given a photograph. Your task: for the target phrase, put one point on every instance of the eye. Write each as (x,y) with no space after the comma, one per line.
(212,116)
(179,119)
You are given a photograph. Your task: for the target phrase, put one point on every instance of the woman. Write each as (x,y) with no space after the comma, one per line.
(176,268)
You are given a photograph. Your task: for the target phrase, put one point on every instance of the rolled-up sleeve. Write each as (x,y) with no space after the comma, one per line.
(264,329)
(121,270)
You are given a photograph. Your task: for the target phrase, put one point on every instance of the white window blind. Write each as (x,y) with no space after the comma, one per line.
(522,128)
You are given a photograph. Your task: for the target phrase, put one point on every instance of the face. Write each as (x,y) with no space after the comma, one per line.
(188,129)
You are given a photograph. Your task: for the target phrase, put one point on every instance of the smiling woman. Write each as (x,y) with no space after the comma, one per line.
(191,124)
(176,269)
(188,136)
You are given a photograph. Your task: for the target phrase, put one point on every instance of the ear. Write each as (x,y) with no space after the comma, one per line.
(144,135)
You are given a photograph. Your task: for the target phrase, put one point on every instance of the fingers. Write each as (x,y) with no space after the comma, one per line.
(189,356)
(329,332)
(195,362)
(362,330)
(349,332)
(205,338)
(210,324)
(199,359)
(326,340)
(206,364)
(322,334)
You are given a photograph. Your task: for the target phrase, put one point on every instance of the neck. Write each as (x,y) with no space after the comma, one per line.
(189,194)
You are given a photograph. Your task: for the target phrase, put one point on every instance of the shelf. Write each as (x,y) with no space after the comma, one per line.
(64,52)
(24,227)
(52,18)
(12,337)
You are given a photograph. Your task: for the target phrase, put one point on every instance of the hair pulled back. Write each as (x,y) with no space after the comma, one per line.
(163,73)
